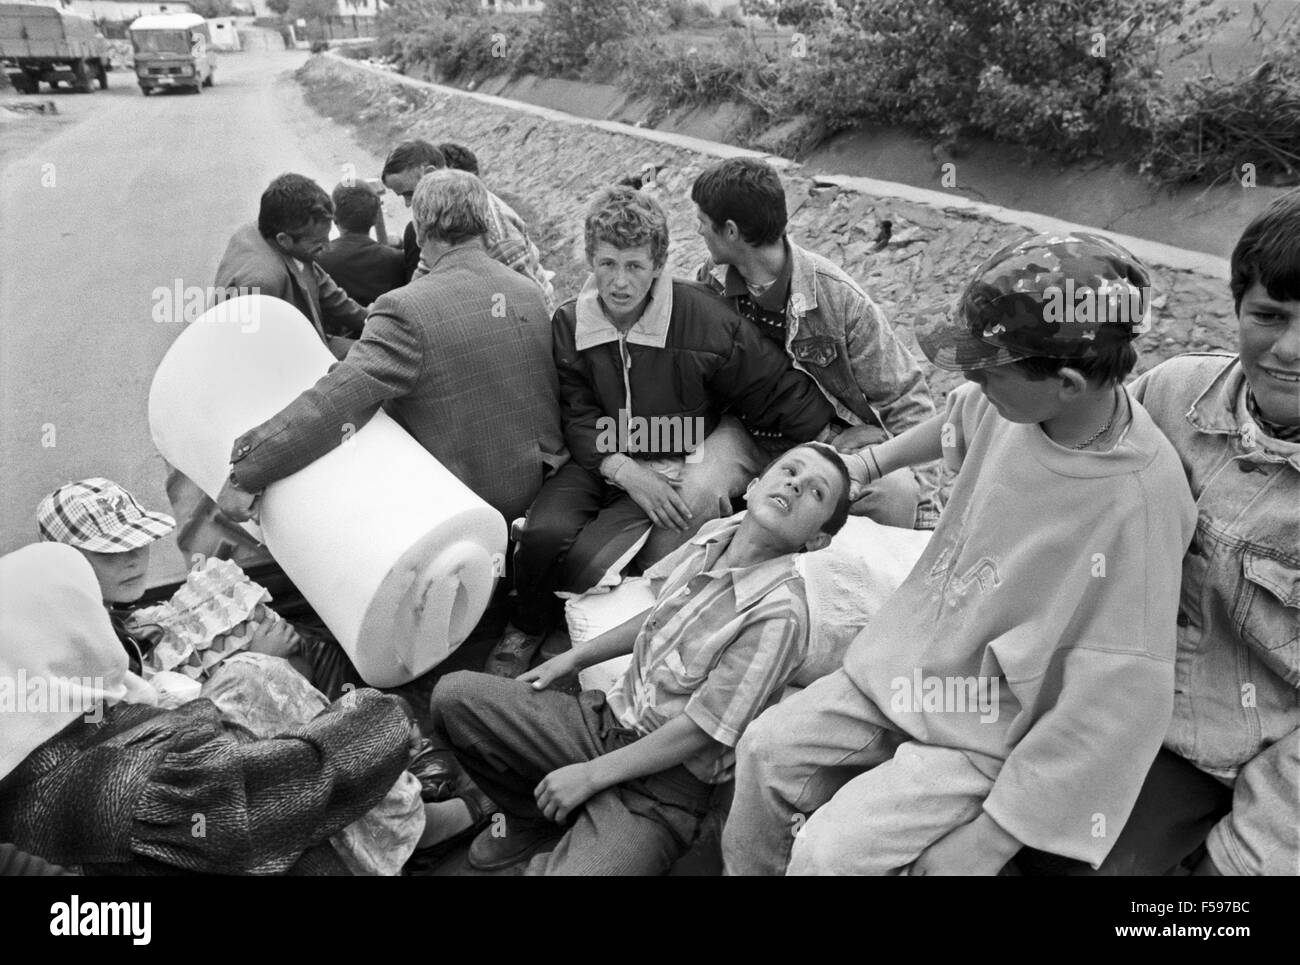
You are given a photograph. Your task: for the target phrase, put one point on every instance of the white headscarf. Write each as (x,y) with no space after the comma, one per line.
(59,657)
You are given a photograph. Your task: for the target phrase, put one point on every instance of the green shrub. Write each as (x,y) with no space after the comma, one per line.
(789,13)
(1211,128)
(674,73)
(1020,71)
(1077,79)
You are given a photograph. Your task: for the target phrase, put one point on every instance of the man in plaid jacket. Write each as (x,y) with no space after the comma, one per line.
(460,357)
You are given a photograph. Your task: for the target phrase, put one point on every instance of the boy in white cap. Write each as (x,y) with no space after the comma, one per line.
(110,528)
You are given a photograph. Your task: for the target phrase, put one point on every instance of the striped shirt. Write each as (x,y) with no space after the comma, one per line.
(720,645)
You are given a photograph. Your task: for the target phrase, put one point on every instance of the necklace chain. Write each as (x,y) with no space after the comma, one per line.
(1104,429)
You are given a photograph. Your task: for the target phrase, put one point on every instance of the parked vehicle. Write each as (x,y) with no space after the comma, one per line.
(173,50)
(46,44)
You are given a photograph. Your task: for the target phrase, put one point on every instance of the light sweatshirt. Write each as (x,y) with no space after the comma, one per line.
(1036,632)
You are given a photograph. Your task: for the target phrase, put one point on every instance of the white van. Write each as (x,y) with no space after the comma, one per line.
(173,50)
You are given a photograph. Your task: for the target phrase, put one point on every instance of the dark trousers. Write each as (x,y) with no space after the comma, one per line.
(1175,811)
(509,736)
(577,528)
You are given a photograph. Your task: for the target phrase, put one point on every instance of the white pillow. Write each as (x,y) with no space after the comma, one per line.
(847,583)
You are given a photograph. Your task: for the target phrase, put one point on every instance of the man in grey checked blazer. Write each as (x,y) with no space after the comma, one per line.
(460,357)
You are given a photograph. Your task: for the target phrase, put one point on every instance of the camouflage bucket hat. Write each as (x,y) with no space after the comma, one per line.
(1059,296)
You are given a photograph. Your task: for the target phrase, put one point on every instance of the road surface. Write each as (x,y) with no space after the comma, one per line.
(123,194)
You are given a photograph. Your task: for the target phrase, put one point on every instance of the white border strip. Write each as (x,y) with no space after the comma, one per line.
(1152,252)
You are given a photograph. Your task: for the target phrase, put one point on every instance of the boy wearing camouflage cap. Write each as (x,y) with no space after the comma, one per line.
(1017,686)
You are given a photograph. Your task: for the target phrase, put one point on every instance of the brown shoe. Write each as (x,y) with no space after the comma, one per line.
(513,653)
(507,841)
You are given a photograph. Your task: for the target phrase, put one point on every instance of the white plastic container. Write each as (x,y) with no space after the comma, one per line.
(395,553)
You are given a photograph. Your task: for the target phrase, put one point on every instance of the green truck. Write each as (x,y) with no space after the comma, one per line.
(44,44)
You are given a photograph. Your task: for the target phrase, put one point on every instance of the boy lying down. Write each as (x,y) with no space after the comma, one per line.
(623,782)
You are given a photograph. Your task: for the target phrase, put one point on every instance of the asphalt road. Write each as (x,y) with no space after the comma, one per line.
(123,194)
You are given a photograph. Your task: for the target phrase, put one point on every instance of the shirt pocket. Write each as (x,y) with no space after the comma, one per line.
(1267,609)
(818,350)
(686,676)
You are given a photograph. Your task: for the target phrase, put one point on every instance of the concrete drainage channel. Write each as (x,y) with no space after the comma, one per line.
(32,107)
(554,162)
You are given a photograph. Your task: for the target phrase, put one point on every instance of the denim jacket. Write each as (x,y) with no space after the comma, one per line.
(837,335)
(1237,689)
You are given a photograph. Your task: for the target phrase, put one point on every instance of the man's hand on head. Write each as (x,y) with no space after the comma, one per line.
(863,470)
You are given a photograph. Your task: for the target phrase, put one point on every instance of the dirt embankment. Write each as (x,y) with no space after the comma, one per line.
(552,167)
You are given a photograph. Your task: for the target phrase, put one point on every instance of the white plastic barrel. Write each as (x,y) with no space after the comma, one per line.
(395,554)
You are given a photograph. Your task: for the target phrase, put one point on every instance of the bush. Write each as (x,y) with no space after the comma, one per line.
(1019,71)
(574,28)
(676,73)
(1212,127)
(681,13)
(789,13)
(1079,80)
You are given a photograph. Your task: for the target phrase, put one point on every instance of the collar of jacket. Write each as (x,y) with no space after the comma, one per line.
(458,253)
(803,281)
(1221,410)
(593,327)
(750,583)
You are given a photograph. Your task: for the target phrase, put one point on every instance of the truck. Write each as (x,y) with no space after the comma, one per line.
(43,44)
(172,51)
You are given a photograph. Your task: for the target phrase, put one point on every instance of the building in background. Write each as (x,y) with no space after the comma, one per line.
(512,6)
(118,11)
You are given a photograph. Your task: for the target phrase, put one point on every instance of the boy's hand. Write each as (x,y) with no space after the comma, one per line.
(863,470)
(564,790)
(977,848)
(275,636)
(656,496)
(546,673)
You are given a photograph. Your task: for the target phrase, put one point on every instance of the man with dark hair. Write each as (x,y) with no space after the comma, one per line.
(360,264)
(403,168)
(825,323)
(507,236)
(461,358)
(277,257)
(459,157)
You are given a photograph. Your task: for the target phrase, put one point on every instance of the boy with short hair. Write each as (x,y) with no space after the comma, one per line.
(1227,784)
(635,350)
(1017,686)
(824,322)
(362,266)
(633,775)
(458,156)
(507,237)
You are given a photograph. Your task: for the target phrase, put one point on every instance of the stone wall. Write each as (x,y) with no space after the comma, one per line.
(550,168)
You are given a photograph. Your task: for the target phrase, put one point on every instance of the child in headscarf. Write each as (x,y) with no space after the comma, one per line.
(92,775)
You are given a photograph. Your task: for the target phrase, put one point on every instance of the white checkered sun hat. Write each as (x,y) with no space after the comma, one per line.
(100,516)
